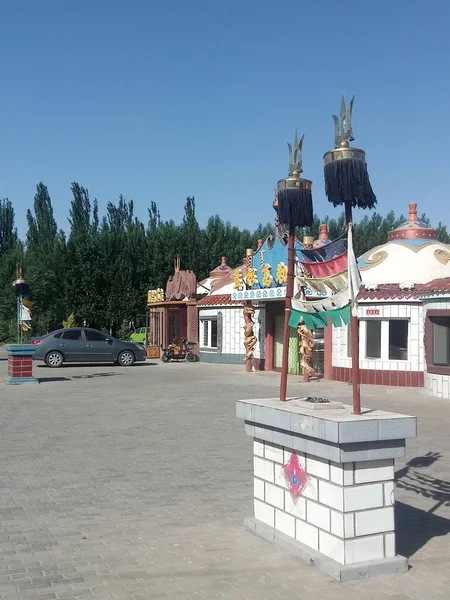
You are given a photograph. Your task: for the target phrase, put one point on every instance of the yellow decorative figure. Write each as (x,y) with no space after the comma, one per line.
(251,278)
(267,277)
(281,273)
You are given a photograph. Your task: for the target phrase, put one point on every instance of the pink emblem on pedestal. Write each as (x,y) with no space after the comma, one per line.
(296,477)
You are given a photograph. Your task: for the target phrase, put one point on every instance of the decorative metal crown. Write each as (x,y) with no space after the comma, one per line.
(295,156)
(343,133)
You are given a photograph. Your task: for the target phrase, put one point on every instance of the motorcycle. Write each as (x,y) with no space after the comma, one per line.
(179,352)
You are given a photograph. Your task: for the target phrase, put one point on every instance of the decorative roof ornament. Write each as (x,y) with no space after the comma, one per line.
(346,176)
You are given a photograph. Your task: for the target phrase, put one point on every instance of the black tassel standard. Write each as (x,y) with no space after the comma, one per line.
(295,207)
(347,182)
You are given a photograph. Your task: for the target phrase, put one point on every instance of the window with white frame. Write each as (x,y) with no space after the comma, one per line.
(208,333)
(386,339)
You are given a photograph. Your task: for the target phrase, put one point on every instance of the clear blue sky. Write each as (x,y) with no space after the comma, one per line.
(158,100)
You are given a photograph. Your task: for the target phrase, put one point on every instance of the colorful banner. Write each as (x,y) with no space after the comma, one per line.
(338,316)
(327,303)
(324,285)
(328,268)
(324,253)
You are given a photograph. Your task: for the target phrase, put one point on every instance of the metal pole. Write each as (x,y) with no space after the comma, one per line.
(354,331)
(287,313)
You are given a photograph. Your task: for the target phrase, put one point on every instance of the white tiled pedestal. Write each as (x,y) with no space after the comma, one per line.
(344,520)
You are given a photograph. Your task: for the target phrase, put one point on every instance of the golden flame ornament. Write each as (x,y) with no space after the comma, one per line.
(267,277)
(251,278)
(282,273)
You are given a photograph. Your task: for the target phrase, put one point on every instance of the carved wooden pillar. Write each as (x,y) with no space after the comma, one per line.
(192,325)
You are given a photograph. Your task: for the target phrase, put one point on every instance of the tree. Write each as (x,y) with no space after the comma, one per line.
(11,255)
(44,263)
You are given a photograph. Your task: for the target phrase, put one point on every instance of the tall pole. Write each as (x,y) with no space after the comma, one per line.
(354,331)
(287,313)
(19,303)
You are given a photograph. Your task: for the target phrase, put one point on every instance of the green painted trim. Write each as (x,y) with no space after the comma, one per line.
(293,364)
(21,349)
(222,359)
(19,380)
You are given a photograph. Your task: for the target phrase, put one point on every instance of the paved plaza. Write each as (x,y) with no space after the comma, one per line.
(134,484)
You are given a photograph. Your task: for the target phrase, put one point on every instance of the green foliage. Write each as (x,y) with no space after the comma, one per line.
(100,274)
(70,322)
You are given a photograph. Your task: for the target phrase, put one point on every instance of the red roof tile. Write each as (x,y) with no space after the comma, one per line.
(392,291)
(219,300)
(435,286)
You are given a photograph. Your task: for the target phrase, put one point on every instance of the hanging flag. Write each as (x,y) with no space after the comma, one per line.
(333,284)
(327,303)
(354,276)
(327,268)
(25,317)
(324,253)
(338,316)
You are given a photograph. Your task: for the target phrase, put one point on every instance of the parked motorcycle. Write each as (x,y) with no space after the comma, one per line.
(179,352)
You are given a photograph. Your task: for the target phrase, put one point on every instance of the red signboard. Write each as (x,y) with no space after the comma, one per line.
(373,312)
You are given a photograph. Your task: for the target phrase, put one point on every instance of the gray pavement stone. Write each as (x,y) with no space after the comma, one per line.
(136,485)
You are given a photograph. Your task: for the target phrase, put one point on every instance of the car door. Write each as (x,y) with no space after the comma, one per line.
(99,347)
(73,345)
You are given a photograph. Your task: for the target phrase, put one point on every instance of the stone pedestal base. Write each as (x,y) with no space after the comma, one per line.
(20,364)
(343,519)
(375,568)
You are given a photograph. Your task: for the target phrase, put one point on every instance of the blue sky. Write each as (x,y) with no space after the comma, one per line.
(160,100)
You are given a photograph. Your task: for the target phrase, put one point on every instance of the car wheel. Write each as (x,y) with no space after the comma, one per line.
(126,358)
(54,359)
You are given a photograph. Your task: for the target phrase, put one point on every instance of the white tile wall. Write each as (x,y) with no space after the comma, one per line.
(368,522)
(363,497)
(273,452)
(374,470)
(285,523)
(364,549)
(280,479)
(298,509)
(307,534)
(264,513)
(258,488)
(263,469)
(342,512)
(389,493)
(318,467)
(274,495)
(331,495)
(389,545)
(332,547)
(409,310)
(318,515)
(258,448)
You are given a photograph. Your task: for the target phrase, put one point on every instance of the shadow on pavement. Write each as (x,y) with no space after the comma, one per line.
(94,375)
(415,527)
(51,379)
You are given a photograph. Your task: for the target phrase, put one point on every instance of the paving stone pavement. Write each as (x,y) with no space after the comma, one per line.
(134,483)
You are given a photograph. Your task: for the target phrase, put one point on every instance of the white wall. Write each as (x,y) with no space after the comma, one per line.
(411,311)
(233,328)
(434,384)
